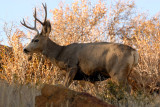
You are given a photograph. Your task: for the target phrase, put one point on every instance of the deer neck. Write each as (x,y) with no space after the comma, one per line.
(52,50)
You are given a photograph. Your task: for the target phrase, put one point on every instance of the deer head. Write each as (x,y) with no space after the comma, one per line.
(38,42)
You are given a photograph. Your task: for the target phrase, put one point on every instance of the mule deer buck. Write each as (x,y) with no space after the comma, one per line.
(84,61)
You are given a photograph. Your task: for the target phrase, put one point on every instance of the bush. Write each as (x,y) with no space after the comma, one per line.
(86,22)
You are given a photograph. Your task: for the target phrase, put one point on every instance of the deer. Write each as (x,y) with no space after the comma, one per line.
(96,61)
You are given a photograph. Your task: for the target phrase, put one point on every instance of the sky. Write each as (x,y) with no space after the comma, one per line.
(13,11)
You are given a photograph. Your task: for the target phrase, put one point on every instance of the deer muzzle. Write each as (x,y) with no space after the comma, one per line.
(25,51)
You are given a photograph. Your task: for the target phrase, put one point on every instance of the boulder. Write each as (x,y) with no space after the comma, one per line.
(60,96)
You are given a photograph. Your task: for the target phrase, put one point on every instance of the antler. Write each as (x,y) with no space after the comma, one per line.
(32,28)
(45,8)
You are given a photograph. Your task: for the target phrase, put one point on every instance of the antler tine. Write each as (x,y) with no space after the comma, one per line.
(35,16)
(32,28)
(24,24)
(45,8)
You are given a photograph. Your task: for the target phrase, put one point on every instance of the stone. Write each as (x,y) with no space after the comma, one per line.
(60,96)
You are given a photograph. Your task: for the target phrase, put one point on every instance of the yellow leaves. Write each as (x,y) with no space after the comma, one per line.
(75,7)
(77,21)
(55,11)
(84,22)
(99,9)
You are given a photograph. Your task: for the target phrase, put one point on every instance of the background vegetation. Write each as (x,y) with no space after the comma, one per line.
(82,22)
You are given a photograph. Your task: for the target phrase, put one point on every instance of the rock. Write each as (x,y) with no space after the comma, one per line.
(41,101)
(60,96)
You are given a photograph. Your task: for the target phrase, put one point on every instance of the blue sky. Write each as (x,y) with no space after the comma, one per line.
(15,10)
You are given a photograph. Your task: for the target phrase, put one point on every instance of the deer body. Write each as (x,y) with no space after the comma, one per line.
(85,61)
(93,61)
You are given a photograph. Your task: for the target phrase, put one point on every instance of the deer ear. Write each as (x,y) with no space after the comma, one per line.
(46,28)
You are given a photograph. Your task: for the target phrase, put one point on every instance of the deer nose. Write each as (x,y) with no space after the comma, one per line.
(25,51)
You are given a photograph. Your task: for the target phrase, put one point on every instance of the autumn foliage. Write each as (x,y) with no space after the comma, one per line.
(84,21)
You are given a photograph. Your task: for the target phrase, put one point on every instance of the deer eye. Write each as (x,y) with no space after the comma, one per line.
(36,40)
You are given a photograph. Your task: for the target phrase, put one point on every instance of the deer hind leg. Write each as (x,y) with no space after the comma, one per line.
(70,76)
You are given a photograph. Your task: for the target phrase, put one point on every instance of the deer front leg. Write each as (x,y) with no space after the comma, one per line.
(70,76)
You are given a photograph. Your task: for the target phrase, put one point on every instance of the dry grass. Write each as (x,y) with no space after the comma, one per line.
(16,95)
(85,22)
